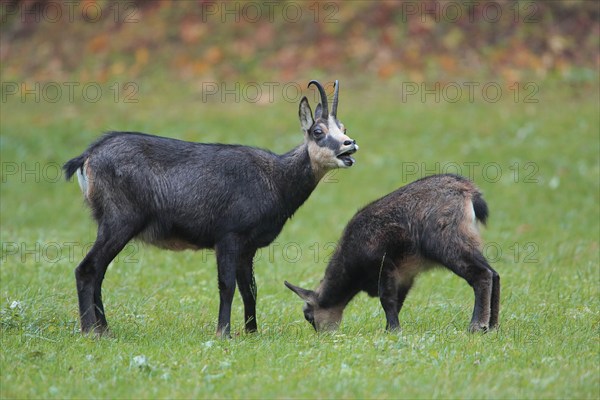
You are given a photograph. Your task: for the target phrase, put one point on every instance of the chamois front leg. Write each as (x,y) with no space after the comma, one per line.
(402,293)
(388,296)
(247,286)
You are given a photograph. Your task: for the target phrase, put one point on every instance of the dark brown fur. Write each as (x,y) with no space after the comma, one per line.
(389,242)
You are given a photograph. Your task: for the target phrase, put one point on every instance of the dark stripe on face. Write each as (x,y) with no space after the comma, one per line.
(330,143)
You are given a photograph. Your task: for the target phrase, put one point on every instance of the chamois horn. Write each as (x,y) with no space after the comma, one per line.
(325,113)
(335,99)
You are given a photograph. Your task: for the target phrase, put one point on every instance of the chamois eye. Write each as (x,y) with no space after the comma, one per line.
(318,133)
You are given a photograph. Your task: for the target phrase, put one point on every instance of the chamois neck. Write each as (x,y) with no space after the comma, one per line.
(338,286)
(297,180)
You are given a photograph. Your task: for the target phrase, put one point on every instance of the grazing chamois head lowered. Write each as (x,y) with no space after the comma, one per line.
(184,195)
(432,221)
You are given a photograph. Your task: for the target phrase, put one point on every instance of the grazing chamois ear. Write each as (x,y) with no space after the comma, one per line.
(308,296)
(322,319)
(305,115)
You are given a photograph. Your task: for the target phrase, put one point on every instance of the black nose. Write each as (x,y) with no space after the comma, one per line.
(349,142)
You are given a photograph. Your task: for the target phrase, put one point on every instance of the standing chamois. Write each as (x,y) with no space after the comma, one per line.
(432,221)
(182,195)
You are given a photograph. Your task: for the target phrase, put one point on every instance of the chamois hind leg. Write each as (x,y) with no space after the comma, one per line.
(90,274)
(98,305)
(495,302)
(495,290)
(472,266)
(247,286)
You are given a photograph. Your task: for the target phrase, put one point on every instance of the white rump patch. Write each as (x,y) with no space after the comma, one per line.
(473,218)
(82,179)
(470,209)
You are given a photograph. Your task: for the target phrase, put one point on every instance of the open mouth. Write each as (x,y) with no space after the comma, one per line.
(346,156)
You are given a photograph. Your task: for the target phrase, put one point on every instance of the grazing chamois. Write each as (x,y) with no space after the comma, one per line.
(183,195)
(432,221)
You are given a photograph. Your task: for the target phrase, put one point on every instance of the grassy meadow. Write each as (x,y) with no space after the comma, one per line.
(537,163)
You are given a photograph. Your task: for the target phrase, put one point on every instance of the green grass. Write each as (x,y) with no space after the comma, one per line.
(537,163)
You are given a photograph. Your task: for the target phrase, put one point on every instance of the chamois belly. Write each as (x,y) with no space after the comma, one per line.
(173,239)
(175,244)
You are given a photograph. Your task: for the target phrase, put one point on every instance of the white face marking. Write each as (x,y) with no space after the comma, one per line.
(324,157)
(336,132)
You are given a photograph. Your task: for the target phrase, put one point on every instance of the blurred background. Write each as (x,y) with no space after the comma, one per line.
(196,41)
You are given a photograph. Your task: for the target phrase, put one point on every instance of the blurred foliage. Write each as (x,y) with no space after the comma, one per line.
(216,40)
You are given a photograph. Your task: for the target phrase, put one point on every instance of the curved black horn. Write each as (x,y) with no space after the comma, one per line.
(335,99)
(325,113)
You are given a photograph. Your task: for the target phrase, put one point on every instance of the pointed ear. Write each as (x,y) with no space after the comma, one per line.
(305,114)
(318,111)
(305,294)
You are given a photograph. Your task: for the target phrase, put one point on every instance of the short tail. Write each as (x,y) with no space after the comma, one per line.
(481,208)
(73,165)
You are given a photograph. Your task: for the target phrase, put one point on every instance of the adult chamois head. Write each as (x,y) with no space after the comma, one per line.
(184,195)
(328,144)
(432,221)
